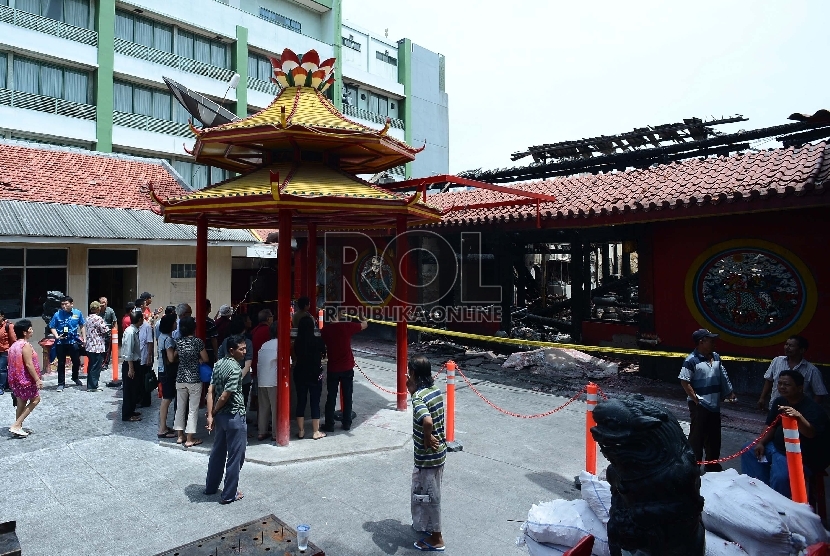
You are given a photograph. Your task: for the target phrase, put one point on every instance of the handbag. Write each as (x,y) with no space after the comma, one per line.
(150,381)
(205,372)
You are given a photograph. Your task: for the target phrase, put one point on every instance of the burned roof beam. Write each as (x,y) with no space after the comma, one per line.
(639,158)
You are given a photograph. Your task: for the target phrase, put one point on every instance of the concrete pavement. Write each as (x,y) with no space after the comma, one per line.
(86,483)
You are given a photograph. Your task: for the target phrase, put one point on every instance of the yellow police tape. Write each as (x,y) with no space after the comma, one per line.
(580,347)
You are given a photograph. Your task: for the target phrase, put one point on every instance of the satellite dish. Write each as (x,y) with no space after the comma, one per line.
(209,113)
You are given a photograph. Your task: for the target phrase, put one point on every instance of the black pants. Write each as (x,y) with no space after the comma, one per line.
(143,394)
(130,390)
(72,351)
(704,433)
(346,381)
(304,387)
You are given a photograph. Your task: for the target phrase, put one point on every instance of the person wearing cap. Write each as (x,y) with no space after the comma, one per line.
(792,360)
(706,383)
(223,323)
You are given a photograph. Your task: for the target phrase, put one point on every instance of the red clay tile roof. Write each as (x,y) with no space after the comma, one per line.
(685,189)
(67,176)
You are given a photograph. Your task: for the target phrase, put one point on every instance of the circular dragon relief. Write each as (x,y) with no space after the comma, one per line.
(374,279)
(752,292)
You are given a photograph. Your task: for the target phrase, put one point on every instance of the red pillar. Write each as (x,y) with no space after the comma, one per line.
(201,275)
(401,289)
(283,328)
(311,271)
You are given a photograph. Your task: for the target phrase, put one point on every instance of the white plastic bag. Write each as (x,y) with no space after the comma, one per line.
(750,513)
(565,522)
(598,495)
(716,546)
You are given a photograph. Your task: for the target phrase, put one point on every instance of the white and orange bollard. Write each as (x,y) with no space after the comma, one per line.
(798,485)
(449,413)
(590,444)
(320,319)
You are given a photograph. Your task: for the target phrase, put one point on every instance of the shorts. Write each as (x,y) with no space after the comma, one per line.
(168,385)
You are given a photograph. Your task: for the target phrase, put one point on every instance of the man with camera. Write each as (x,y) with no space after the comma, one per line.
(67,326)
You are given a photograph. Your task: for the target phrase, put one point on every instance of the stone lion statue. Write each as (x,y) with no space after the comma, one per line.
(655,481)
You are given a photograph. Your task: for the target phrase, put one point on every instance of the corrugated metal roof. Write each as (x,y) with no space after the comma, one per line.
(76,221)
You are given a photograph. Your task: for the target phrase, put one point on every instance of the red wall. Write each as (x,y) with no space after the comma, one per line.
(677,244)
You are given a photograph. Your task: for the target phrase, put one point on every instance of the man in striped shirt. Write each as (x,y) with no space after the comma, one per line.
(706,383)
(430,453)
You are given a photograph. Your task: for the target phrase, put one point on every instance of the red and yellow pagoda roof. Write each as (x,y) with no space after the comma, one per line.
(300,119)
(315,192)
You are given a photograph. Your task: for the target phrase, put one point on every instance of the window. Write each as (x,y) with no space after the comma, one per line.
(182,271)
(280,20)
(201,49)
(4,67)
(32,76)
(141,30)
(199,176)
(351,43)
(259,67)
(385,57)
(71,12)
(25,277)
(155,103)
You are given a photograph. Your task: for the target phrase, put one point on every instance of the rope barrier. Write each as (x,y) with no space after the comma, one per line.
(746,448)
(579,347)
(376,385)
(574,398)
(519,415)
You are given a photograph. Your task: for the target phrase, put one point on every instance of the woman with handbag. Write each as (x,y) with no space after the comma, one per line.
(191,351)
(308,376)
(167,371)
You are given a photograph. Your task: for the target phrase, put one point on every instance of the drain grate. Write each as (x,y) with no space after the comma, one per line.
(267,535)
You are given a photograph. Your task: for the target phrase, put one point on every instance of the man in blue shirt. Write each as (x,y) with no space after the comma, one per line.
(67,326)
(706,383)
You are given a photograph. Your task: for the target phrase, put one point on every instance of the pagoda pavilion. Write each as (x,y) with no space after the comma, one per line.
(298,161)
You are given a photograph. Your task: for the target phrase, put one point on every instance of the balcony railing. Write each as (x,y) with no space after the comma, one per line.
(46,25)
(263,86)
(398,171)
(356,112)
(146,123)
(150,54)
(51,105)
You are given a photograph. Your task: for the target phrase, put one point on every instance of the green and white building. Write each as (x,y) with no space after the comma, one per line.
(88,73)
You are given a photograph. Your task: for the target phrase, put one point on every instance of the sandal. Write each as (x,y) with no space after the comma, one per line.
(20,433)
(194,443)
(133,418)
(167,434)
(301,435)
(318,435)
(239,496)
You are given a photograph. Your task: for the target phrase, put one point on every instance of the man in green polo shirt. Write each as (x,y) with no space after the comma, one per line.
(226,413)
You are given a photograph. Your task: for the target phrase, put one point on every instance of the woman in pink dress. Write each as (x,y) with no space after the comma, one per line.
(24,376)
